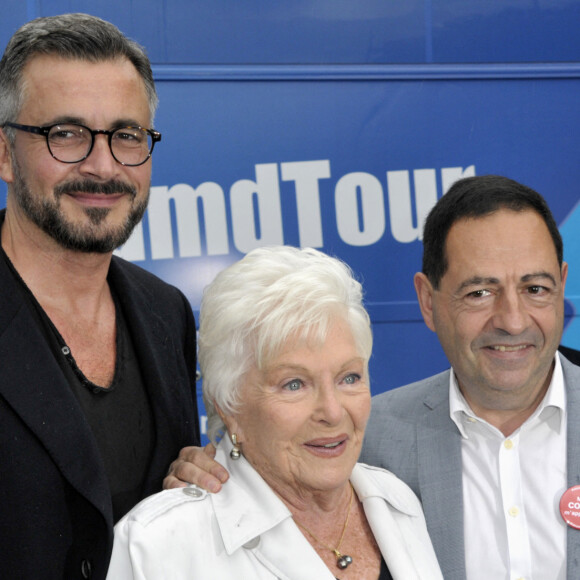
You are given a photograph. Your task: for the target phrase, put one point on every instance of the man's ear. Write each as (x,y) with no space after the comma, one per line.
(564,275)
(6,170)
(425,293)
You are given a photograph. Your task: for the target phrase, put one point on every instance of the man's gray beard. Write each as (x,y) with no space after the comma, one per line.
(47,215)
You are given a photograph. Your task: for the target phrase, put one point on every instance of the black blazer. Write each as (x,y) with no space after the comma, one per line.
(56,517)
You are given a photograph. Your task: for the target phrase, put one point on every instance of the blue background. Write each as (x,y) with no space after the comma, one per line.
(361,87)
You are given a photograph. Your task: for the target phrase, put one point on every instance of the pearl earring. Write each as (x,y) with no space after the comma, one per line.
(235,452)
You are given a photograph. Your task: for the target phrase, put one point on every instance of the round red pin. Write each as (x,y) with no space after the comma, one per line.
(570,506)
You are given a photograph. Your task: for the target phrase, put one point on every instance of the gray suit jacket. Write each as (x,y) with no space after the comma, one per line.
(411,434)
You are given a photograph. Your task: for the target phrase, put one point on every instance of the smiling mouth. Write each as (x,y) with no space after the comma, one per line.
(326,447)
(502,348)
(97,199)
(330,445)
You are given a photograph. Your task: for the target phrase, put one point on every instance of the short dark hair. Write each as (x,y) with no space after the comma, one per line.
(72,37)
(475,197)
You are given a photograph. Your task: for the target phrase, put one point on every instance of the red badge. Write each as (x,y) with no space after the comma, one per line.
(570,507)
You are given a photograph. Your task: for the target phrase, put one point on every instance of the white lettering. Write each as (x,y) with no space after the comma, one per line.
(364,227)
(307,174)
(159,215)
(403,227)
(185,198)
(203,424)
(449,175)
(256,211)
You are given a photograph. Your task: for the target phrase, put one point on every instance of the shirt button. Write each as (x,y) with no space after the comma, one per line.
(508,444)
(513,511)
(86,569)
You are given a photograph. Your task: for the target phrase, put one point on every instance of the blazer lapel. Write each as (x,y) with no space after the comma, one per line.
(572,384)
(440,481)
(154,344)
(35,387)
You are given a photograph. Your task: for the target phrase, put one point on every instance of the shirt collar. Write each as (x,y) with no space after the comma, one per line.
(460,411)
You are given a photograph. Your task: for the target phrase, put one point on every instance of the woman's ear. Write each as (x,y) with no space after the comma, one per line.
(230,422)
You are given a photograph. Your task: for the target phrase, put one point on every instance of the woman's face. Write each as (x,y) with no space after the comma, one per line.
(302,421)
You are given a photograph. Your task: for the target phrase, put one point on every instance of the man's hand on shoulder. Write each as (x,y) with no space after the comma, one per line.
(196,465)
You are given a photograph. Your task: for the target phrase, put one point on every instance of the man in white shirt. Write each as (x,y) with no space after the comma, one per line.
(485,446)
(490,445)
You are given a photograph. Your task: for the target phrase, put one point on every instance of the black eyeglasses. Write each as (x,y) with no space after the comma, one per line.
(72,143)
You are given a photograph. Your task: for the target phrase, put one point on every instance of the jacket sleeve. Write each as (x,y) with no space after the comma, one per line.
(190,356)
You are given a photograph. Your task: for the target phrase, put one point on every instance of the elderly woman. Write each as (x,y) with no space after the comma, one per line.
(284,346)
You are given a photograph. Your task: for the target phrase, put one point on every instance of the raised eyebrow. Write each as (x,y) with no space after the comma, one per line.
(287,370)
(65,121)
(477,281)
(480,281)
(119,124)
(354,360)
(297,367)
(289,367)
(539,276)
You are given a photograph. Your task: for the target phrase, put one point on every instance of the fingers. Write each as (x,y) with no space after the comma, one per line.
(196,465)
(209,450)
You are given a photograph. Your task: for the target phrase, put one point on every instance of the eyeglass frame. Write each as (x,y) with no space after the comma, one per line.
(36,130)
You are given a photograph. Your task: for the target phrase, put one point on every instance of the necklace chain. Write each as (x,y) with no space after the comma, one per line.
(342,560)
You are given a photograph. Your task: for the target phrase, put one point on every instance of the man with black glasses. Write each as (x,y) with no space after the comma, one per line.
(97,356)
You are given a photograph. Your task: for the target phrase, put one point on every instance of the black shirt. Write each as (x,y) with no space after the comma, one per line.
(119,416)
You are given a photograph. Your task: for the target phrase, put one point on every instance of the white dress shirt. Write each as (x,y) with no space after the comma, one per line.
(512,488)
